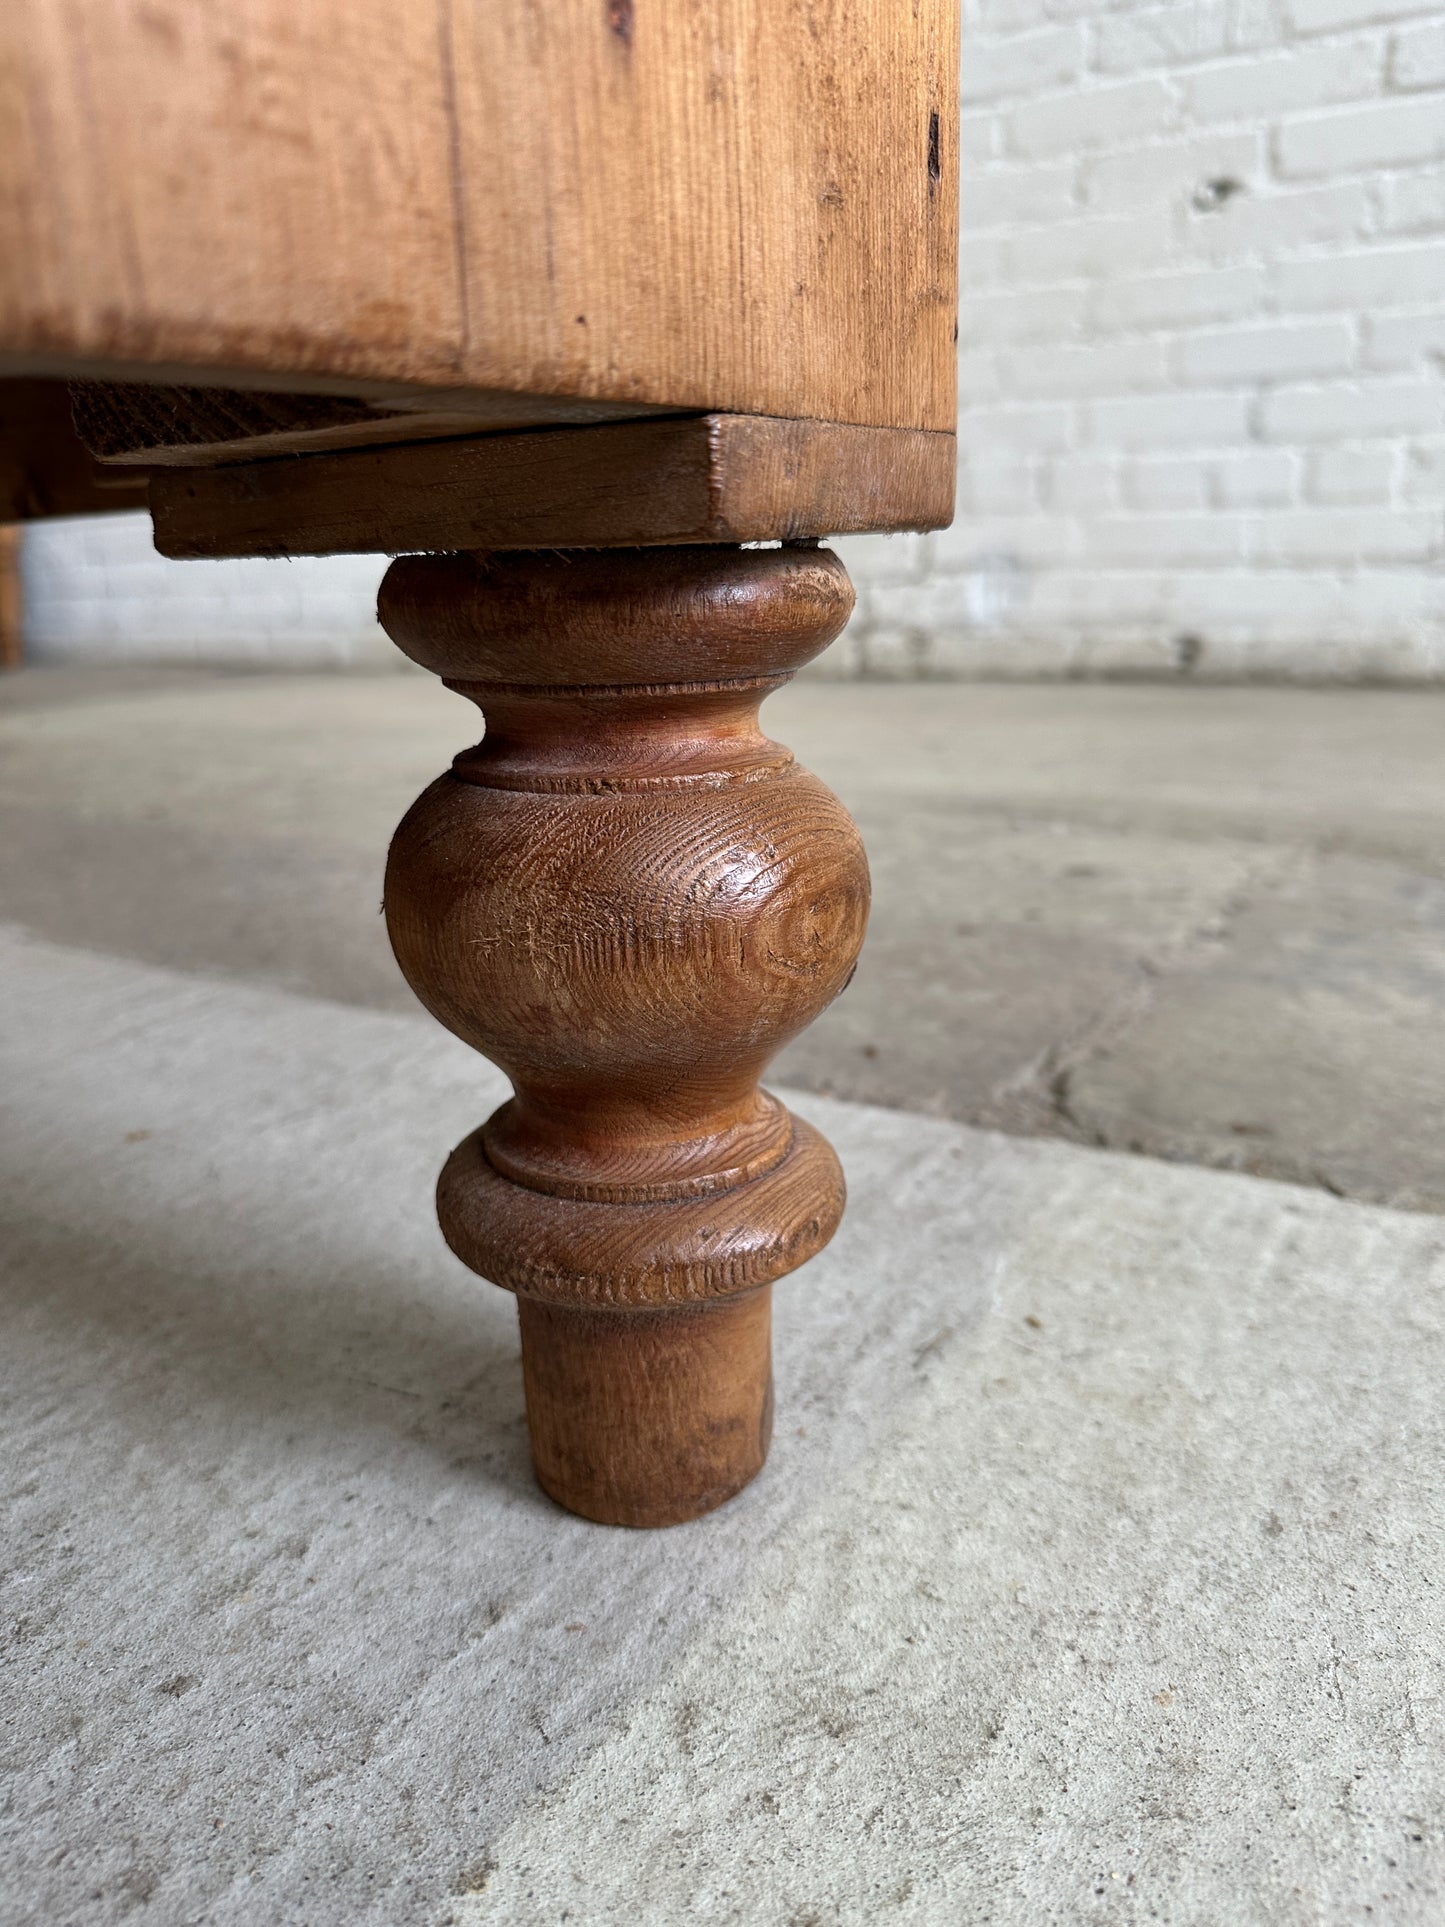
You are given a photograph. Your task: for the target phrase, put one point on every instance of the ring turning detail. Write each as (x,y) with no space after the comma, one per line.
(629,898)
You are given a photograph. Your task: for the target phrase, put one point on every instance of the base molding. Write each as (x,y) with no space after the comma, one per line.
(701,478)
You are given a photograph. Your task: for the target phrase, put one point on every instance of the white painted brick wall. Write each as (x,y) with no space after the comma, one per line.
(1201,362)
(94,589)
(1202,350)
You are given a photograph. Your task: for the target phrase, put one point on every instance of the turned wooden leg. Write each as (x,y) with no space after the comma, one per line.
(629,898)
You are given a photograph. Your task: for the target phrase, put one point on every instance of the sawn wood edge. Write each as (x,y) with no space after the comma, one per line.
(703,478)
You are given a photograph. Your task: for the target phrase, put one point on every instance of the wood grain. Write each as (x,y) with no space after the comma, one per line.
(710,478)
(740,205)
(629,897)
(150,424)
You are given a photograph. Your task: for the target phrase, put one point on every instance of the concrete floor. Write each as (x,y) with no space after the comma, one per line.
(1205,923)
(1095,1576)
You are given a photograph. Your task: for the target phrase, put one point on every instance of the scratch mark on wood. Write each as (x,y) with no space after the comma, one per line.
(457,176)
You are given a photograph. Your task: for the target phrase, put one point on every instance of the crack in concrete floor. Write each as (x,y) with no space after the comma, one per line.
(1204,924)
(1037,1101)
(1092,1579)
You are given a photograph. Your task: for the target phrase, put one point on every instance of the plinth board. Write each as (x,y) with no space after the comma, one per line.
(709,478)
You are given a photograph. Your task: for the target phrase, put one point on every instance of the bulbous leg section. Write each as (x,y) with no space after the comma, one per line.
(629,898)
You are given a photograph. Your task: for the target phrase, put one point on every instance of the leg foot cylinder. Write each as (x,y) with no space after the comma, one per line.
(648,1418)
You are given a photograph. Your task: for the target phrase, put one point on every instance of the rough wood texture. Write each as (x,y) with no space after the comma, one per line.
(745,205)
(629,898)
(44,467)
(710,478)
(149,424)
